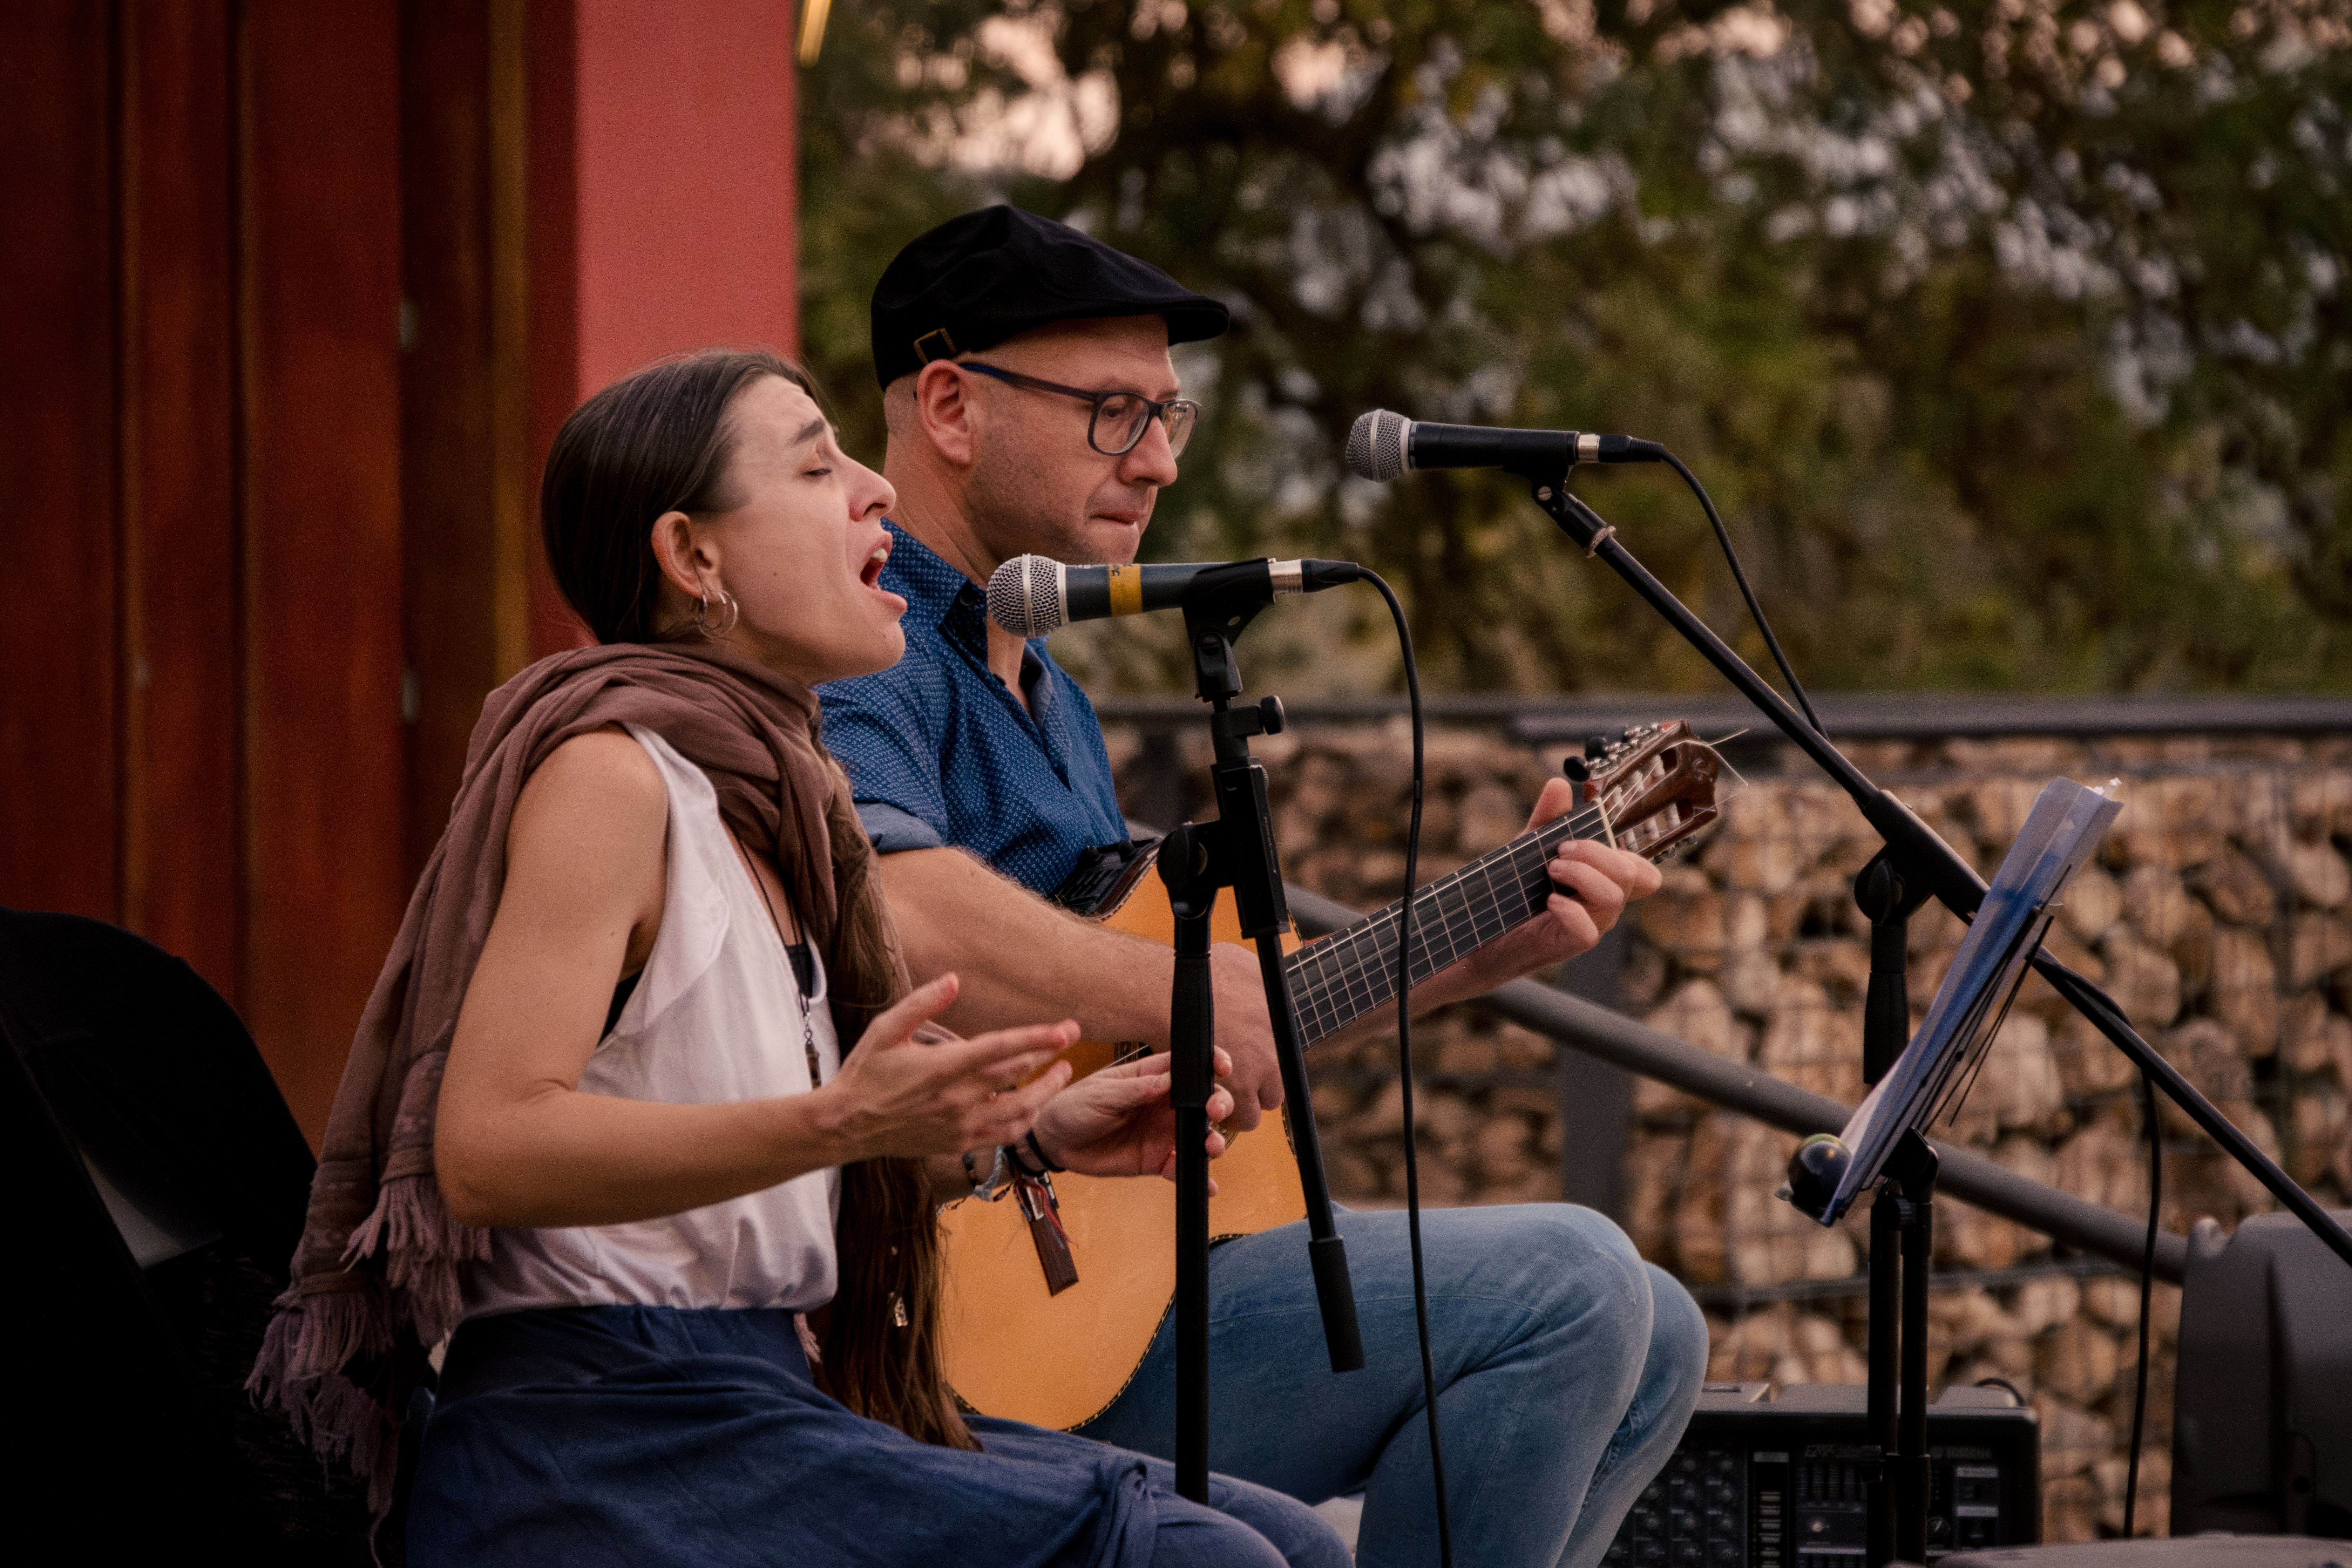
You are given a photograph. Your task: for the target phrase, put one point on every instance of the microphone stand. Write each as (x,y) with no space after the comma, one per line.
(1195,860)
(1915,865)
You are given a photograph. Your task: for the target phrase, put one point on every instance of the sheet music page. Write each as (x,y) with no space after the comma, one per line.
(2060,836)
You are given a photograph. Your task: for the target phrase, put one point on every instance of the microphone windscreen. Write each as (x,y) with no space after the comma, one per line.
(1376,445)
(1025,596)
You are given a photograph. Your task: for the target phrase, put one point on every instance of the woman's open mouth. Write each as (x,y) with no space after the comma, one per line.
(871,573)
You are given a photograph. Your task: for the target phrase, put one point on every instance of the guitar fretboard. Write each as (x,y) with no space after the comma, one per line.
(1338,979)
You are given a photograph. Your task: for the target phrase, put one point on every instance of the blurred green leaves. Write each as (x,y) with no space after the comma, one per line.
(2012,338)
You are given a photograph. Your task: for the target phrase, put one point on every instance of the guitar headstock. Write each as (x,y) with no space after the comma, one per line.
(1655,785)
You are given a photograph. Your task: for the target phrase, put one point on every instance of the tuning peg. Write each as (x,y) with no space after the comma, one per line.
(1596,747)
(1576,768)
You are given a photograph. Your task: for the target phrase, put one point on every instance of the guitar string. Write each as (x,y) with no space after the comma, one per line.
(1458,910)
(1456,906)
(1335,982)
(1449,916)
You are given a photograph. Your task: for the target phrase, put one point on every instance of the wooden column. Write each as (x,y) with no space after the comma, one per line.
(551,226)
(468,498)
(182,643)
(324,748)
(60,581)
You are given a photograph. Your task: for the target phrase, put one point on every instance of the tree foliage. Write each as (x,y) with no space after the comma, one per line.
(2011,336)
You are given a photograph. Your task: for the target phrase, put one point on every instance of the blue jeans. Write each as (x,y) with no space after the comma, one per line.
(650,1435)
(1567,1369)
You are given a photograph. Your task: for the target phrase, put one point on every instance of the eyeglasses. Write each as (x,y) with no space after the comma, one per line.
(1120,419)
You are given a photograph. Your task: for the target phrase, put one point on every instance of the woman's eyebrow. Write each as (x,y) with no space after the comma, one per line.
(810,431)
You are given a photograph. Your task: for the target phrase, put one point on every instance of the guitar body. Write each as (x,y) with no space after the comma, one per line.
(1014,1349)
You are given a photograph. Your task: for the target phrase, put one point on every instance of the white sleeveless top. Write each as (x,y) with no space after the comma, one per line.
(715,1016)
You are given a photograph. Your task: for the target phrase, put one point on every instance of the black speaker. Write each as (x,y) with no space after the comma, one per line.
(2262,1430)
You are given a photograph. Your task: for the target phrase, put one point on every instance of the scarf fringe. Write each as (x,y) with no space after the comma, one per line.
(313,1337)
(422,1245)
(298,1371)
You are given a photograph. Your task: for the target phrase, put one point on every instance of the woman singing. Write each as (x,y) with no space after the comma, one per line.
(643,1110)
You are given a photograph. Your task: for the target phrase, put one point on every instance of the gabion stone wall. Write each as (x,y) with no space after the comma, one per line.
(2221,918)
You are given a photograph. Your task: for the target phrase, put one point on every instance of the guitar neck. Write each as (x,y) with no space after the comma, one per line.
(1338,979)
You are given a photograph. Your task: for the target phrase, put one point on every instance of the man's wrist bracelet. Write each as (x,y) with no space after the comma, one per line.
(1045,1166)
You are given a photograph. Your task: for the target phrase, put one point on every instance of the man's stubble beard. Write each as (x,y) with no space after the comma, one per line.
(1004,507)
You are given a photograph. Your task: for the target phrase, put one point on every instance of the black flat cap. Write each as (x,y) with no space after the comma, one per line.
(978,279)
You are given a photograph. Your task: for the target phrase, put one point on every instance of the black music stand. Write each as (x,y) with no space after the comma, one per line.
(1882,1144)
(1918,864)
(1195,860)
(1914,866)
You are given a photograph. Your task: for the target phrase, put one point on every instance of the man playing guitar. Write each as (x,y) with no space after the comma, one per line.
(1033,408)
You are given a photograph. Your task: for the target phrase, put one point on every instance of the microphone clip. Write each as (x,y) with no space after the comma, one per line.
(1576,519)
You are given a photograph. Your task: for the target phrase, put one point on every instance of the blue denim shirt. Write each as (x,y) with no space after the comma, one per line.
(938,752)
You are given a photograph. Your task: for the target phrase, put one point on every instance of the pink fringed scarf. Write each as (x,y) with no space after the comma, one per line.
(377,1274)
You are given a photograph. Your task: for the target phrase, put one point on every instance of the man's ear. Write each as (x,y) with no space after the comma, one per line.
(688,557)
(944,414)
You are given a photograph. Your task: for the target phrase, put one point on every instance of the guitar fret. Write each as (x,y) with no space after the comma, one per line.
(1339,979)
(1532,882)
(1492,922)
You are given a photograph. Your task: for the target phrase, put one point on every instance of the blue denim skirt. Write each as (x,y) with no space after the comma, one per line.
(657,1436)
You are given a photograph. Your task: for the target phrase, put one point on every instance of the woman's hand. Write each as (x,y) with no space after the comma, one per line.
(1118,1122)
(900,1095)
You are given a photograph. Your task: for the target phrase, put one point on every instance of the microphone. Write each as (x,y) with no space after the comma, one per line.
(1031,595)
(1385,446)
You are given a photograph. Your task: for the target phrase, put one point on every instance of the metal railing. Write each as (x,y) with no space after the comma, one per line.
(1614,1038)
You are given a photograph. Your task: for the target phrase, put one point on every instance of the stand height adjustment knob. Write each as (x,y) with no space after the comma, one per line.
(1270,714)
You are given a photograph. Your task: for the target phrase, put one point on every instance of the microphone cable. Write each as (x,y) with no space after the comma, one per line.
(1405,1067)
(1739,575)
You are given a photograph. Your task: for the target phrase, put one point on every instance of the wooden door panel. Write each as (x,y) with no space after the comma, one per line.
(59,583)
(324,749)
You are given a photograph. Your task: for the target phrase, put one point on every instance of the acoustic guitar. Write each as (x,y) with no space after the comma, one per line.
(1048,1315)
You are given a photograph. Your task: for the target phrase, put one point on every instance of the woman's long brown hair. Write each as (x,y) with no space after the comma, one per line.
(660,441)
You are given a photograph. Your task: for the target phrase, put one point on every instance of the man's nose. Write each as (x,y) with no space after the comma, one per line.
(1152,460)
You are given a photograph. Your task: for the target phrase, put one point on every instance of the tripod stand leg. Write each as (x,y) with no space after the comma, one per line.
(1885,1297)
(1911,1472)
(1327,1252)
(1192,1035)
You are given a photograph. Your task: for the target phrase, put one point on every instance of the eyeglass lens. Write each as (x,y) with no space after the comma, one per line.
(1120,424)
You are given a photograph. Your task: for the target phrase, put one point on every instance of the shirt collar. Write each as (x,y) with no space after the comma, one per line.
(939,596)
(930,586)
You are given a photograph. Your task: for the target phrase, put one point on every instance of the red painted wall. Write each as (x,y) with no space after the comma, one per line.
(687,181)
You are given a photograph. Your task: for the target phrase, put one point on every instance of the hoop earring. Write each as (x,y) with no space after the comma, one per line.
(702,615)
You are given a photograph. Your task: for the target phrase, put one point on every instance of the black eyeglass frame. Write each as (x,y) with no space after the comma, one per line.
(1159,408)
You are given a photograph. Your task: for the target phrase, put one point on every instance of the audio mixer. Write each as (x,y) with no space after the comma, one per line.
(1777,1483)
